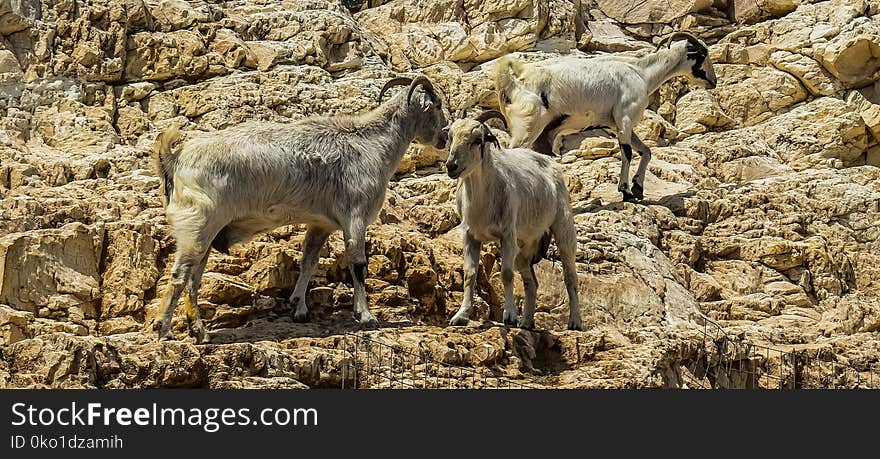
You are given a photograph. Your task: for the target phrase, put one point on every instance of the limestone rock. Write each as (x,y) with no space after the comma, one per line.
(760,212)
(417,34)
(749,11)
(608,36)
(14,325)
(52,272)
(801,138)
(650,11)
(165,56)
(869,111)
(16,16)
(810,73)
(130,269)
(853,56)
(698,111)
(750,95)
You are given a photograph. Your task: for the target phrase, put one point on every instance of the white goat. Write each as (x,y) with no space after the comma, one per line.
(326,172)
(568,94)
(519,197)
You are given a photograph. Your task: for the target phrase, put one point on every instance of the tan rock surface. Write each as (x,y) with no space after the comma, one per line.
(660,11)
(762,203)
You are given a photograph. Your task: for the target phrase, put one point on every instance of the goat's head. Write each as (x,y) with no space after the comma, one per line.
(426,109)
(469,140)
(698,65)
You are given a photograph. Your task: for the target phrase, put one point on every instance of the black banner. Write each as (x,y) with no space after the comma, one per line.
(171,423)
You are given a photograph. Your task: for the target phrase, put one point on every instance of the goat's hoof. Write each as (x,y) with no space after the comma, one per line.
(197,331)
(369,323)
(201,337)
(629,197)
(458,321)
(510,319)
(527,325)
(163,330)
(638,192)
(574,325)
(301,316)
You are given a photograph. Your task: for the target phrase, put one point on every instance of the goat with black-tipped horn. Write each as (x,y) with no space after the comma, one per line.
(516,196)
(327,172)
(568,94)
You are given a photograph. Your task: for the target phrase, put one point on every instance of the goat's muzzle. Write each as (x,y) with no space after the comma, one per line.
(452,169)
(711,84)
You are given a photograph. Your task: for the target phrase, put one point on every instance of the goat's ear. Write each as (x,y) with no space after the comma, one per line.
(425,101)
(488,136)
(695,51)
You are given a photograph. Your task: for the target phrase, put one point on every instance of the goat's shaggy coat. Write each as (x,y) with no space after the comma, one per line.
(565,95)
(516,196)
(328,173)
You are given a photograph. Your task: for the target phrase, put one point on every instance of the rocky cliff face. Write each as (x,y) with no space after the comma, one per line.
(762,211)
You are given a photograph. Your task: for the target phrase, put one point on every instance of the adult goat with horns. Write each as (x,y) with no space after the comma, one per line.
(327,172)
(568,94)
(518,197)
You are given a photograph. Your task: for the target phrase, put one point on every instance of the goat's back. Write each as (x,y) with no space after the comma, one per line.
(305,167)
(583,85)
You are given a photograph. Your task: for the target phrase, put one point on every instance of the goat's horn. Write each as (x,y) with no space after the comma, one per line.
(420,80)
(489,114)
(400,81)
(691,37)
(462,113)
(687,35)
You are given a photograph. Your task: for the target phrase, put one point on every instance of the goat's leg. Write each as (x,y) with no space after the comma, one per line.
(471,263)
(554,130)
(566,243)
(191,302)
(355,247)
(638,189)
(314,240)
(194,229)
(509,251)
(530,285)
(624,138)
(181,273)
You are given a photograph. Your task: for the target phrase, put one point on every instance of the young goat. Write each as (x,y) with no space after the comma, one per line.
(328,172)
(516,196)
(568,94)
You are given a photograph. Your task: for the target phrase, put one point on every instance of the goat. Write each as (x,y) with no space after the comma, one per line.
(568,94)
(327,172)
(519,197)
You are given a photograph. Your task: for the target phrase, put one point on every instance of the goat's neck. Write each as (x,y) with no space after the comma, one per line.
(478,182)
(396,133)
(660,66)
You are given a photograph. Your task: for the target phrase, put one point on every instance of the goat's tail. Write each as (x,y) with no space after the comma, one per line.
(507,70)
(164,160)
